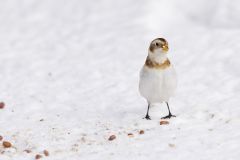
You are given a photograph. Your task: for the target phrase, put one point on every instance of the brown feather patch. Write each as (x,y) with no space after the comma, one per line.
(151,64)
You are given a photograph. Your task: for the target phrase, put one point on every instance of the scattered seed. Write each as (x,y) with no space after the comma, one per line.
(130,135)
(46,153)
(27,151)
(6,144)
(141,132)
(112,137)
(2,105)
(171,145)
(164,122)
(38,156)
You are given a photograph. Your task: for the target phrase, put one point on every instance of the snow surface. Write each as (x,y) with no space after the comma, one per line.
(69,77)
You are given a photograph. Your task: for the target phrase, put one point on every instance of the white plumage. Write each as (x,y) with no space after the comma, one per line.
(157,85)
(158,80)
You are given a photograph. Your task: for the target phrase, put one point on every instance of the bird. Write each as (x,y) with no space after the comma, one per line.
(158,79)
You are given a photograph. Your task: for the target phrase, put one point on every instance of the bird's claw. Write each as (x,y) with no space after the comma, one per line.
(168,116)
(147,117)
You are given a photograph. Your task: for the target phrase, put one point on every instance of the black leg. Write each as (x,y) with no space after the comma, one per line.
(147,115)
(169,113)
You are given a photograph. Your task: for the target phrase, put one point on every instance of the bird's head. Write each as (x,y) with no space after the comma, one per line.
(158,46)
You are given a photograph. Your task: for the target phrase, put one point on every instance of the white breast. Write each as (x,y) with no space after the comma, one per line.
(157,85)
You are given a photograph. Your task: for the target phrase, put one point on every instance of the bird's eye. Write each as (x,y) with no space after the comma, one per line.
(157,44)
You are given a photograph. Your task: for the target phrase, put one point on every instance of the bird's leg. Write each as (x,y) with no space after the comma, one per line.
(169,113)
(147,115)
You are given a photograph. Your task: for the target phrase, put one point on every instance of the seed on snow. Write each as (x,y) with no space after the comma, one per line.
(2,105)
(112,137)
(130,135)
(38,156)
(171,145)
(164,122)
(6,144)
(27,151)
(46,153)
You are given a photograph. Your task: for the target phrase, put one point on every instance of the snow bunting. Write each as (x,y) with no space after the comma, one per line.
(158,79)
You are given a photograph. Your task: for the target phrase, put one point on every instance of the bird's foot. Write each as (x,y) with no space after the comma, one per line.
(168,116)
(147,117)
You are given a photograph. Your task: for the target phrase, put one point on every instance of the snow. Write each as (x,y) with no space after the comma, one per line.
(69,78)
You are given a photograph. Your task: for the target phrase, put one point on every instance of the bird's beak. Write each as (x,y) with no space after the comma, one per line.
(165,48)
